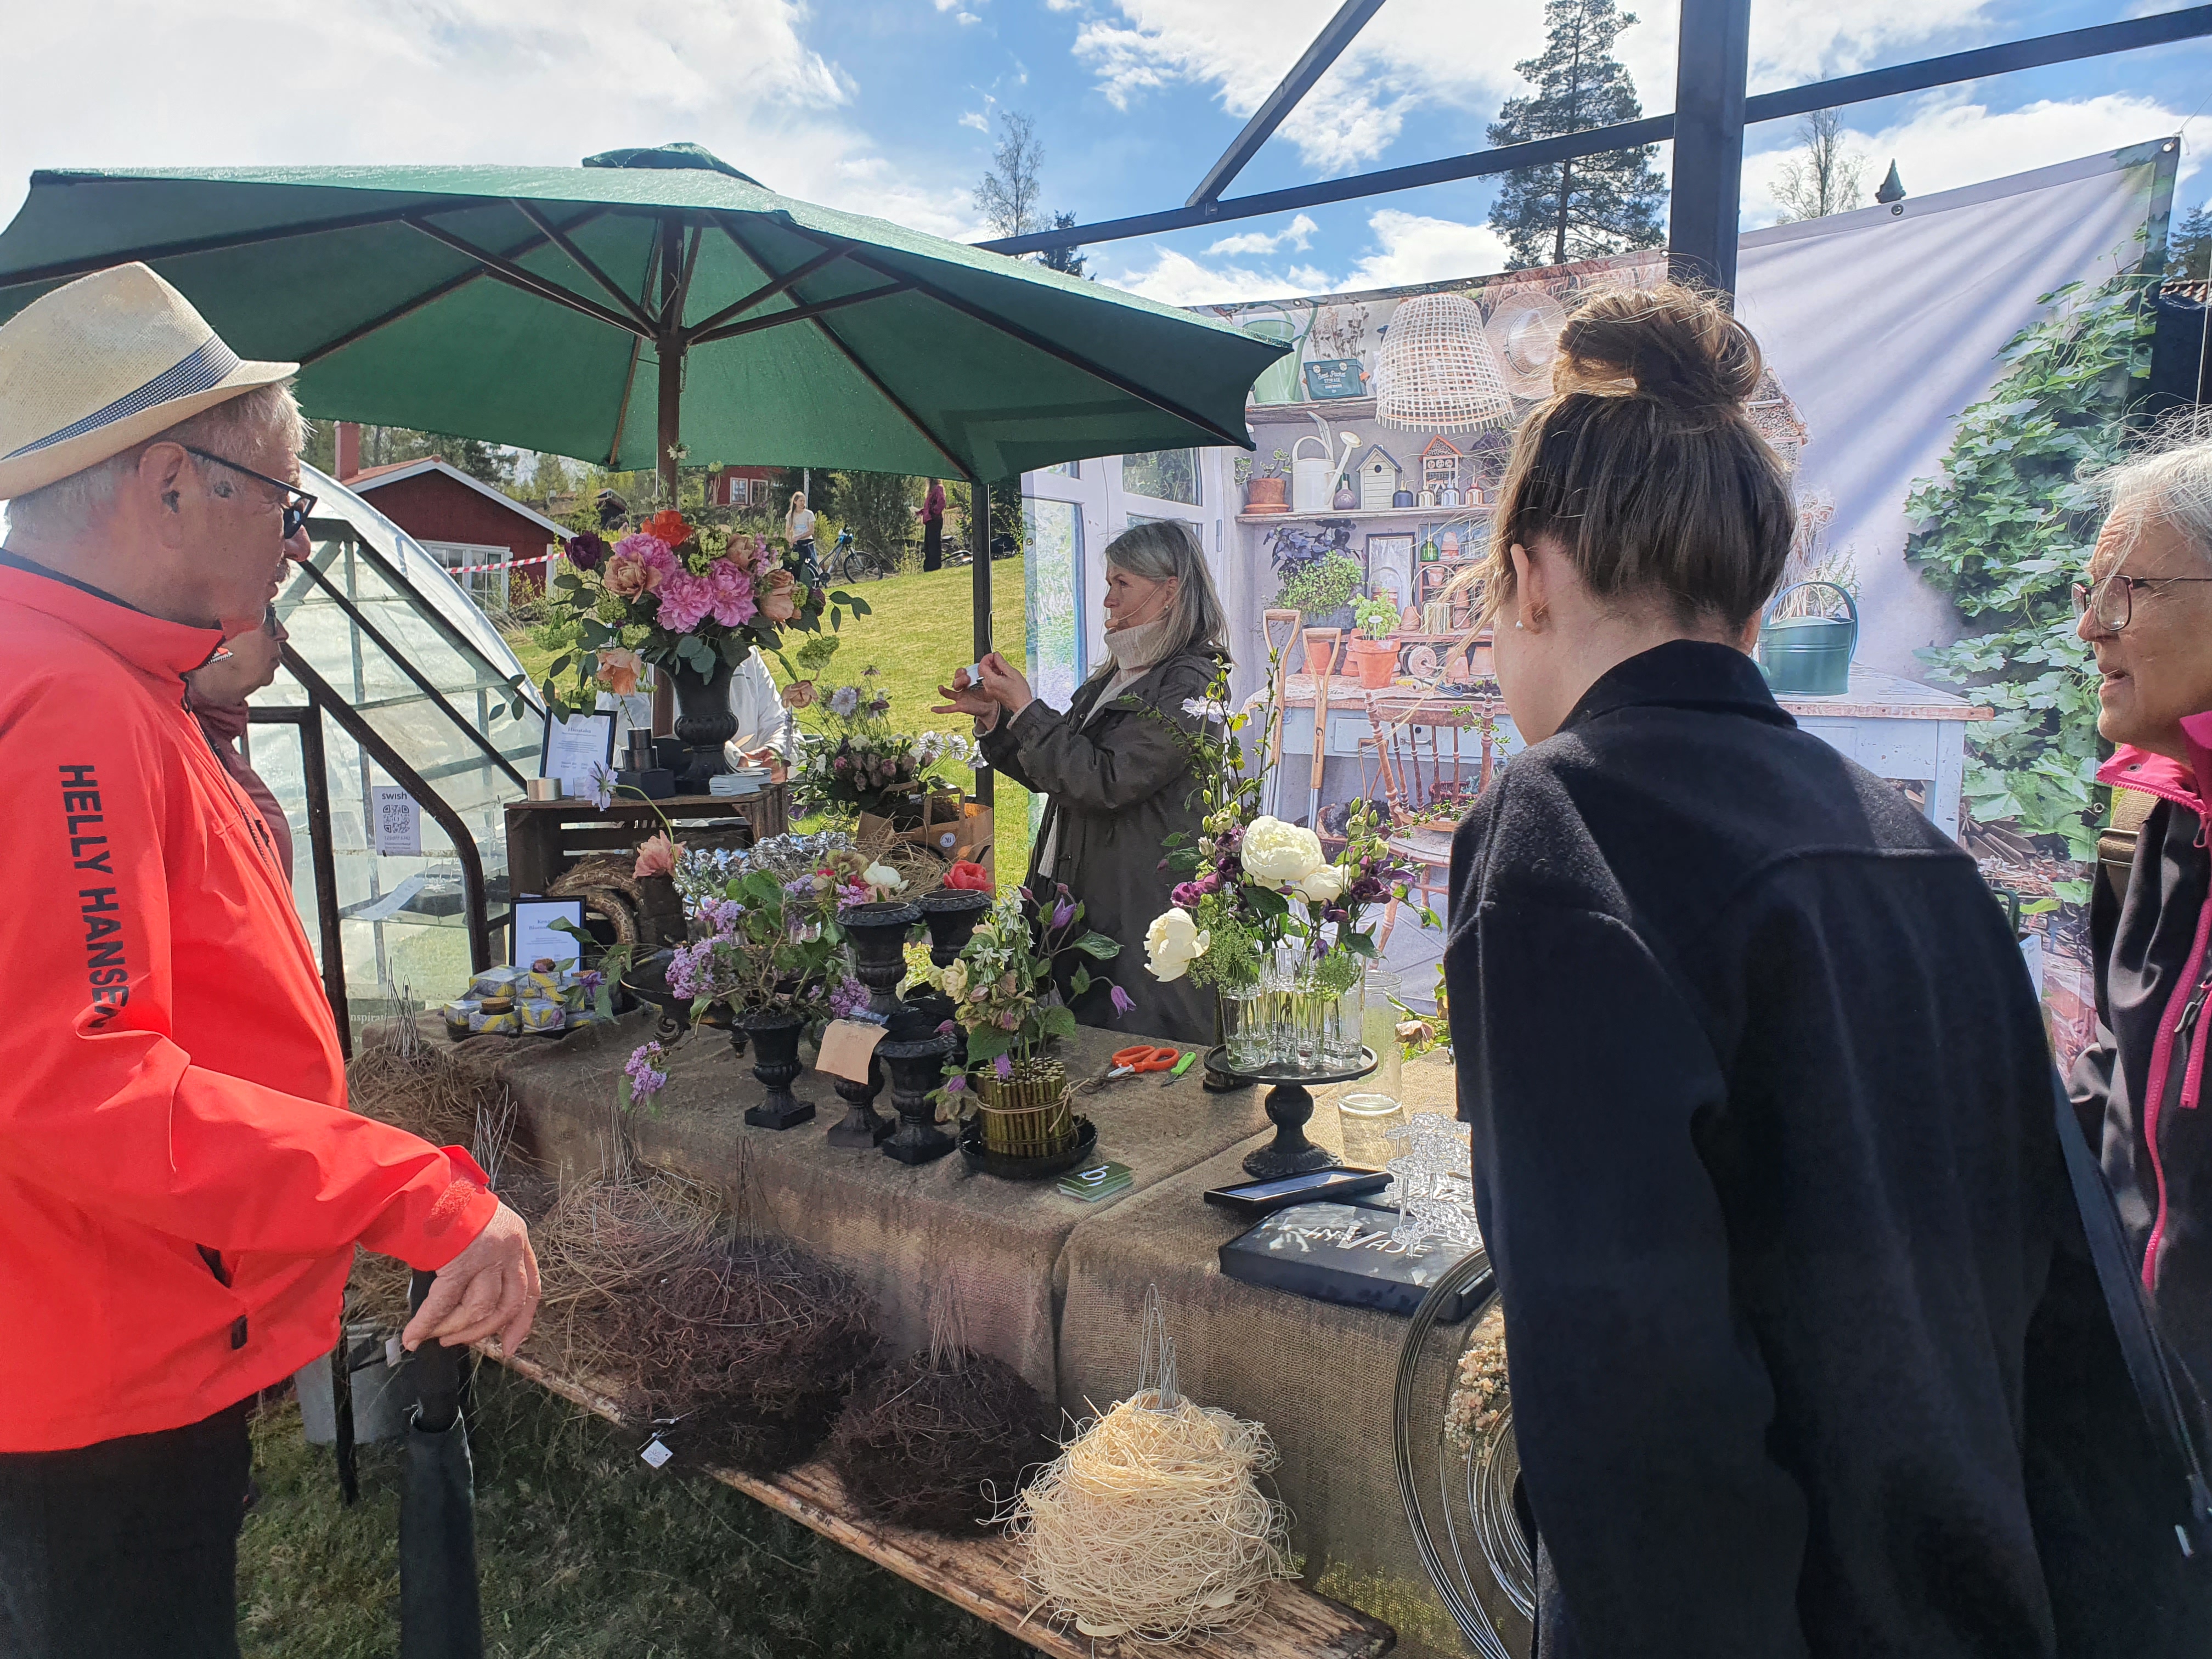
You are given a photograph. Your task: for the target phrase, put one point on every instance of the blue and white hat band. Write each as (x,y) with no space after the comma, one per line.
(203,370)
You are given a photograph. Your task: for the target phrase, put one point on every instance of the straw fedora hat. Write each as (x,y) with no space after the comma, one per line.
(103,364)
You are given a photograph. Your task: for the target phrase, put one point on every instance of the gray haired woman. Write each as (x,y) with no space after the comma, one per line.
(2145,609)
(1115,780)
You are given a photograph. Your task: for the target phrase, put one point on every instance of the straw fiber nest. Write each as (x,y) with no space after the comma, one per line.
(743,1354)
(940,1441)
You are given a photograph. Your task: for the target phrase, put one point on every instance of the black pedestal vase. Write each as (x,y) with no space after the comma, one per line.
(775,1063)
(703,723)
(914,1053)
(952,914)
(878,933)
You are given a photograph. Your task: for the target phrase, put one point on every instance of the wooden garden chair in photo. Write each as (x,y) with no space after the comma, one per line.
(1409,787)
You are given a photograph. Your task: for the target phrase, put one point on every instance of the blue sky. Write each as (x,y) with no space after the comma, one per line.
(886,107)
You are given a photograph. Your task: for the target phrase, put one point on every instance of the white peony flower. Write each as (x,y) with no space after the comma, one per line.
(1172,943)
(1278,855)
(1322,884)
(883,878)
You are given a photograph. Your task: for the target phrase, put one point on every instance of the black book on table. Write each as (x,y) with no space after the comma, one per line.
(1345,1252)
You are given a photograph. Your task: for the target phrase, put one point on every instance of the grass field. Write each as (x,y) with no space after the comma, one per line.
(919,631)
(584,1553)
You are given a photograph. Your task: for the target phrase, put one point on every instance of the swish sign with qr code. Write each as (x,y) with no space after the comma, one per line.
(399,822)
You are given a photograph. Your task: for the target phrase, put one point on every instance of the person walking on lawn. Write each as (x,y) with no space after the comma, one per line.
(181,1185)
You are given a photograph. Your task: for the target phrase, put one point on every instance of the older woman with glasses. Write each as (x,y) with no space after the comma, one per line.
(2147,613)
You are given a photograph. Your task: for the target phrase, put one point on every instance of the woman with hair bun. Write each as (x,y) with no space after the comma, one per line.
(1807,1356)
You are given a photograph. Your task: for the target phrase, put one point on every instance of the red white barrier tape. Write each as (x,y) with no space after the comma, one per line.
(511,564)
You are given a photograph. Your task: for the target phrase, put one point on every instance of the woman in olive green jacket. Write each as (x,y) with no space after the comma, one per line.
(1115,780)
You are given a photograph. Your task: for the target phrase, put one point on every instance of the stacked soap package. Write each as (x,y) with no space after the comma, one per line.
(543,998)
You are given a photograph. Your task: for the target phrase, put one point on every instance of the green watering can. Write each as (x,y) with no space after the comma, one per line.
(1809,656)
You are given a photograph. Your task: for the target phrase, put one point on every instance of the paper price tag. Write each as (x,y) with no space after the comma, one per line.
(399,822)
(655,1454)
(846,1045)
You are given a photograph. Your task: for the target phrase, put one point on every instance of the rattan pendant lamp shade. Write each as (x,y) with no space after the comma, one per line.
(1437,371)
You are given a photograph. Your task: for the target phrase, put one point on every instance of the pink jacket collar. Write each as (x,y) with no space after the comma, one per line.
(2131,768)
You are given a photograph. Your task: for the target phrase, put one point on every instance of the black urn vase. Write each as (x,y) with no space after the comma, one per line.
(913,1052)
(862,1126)
(952,914)
(775,1063)
(703,723)
(878,933)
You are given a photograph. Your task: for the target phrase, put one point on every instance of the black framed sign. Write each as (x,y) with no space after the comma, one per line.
(573,744)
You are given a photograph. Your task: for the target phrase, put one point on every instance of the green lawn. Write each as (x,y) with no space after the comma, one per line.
(583,1551)
(919,629)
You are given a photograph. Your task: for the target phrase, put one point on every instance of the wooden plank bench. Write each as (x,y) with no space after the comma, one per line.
(983,1575)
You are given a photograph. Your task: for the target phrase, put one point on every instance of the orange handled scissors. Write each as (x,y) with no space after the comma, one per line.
(1143,1058)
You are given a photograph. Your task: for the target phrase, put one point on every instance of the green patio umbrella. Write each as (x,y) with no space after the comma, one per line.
(649,304)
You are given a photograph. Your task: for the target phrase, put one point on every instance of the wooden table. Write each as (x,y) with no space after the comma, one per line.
(1895,727)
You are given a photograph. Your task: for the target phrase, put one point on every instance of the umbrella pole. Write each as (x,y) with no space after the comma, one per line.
(979,537)
(671,352)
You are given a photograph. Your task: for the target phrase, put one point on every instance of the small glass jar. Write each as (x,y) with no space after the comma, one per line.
(1367,1121)
(1379,1023)
(1248,1026)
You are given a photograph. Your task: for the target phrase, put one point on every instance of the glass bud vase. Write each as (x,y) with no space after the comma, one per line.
(1307,1003)
(1248,1026)
(1343,1027)
(1381,1022)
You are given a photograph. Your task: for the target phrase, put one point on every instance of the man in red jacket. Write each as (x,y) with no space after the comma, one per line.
(181,1185)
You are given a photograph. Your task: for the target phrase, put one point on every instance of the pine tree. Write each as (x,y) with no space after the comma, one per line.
(1069,259)
(1593,205)
(2189,247)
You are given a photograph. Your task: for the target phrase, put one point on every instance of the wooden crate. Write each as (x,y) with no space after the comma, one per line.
(546,838)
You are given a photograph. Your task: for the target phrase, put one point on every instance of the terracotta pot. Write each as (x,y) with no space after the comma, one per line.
(1375,662)
(1321,651)
(1266,495)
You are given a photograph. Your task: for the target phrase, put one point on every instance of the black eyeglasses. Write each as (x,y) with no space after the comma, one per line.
(298,502)
(2111,601)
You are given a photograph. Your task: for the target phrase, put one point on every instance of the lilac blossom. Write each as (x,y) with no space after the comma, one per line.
(849,998)
(721,915)
(643,1068)
(690,970)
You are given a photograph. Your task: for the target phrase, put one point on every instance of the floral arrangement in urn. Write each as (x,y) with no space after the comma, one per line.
(676,594)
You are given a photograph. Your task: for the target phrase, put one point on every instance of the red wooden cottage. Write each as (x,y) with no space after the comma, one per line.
(495,545)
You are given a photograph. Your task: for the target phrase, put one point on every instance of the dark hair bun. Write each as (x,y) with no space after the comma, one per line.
(1673,344)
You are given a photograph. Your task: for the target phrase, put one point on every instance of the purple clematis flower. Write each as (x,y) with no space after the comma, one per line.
(586,552)
(1121,1000)
(1063,913)
(956,1085)
(1004,1067)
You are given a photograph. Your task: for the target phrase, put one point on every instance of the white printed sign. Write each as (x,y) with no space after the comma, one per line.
(398,821)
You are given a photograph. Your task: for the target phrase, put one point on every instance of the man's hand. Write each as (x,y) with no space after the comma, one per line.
(492,1286)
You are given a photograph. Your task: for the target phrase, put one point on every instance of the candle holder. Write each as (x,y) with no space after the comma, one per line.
(878,933)
(775,1063)
(952,914)
(917,1068)
(862,1126)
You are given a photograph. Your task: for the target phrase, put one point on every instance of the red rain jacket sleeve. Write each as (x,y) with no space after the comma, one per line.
(102,1107)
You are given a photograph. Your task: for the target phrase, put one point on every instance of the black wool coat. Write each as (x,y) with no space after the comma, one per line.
(1806,1352)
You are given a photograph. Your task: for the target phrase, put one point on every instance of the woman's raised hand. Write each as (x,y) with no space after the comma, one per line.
(968,698)
(1006,683)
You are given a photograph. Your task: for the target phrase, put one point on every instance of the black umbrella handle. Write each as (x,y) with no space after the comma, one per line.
(437,1368)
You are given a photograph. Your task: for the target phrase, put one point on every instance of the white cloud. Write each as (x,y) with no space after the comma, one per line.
(455,81)
(977,119)
(1406,248)
(1948,140)
(1299,234)
(965,18)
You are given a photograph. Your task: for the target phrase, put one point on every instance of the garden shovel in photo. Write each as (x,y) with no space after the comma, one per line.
(440,1615)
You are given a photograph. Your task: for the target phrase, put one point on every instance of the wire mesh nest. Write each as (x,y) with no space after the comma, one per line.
(743,1354)
(941,1443)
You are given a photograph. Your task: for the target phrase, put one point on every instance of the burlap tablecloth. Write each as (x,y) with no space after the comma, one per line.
(1319,1374)
(905,1232)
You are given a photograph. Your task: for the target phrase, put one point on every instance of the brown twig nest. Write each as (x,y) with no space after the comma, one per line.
(415,1086)
(602,1241)
(941,1445)
(744,1354)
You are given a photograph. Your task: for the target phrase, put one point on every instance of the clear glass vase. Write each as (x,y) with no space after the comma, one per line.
(1248,1026)
(1307,1005)
(1380,1023)
(1343,1027)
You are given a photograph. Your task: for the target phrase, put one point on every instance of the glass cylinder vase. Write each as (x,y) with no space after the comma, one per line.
(1248,1026)
(1380,1023)
(1343,1027)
